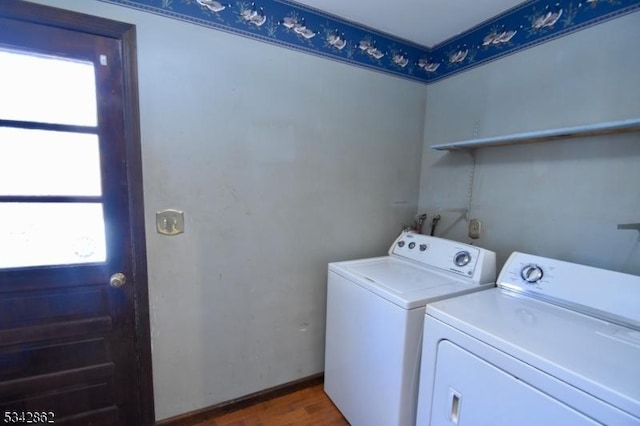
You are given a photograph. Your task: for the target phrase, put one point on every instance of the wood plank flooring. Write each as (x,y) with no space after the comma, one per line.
(306,407)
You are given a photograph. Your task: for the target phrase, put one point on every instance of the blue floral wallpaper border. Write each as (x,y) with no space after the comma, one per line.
(298,27)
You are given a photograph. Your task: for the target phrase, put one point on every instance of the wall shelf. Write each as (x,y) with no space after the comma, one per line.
(608,128)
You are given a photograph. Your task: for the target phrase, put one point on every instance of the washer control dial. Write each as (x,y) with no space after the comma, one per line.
(423,247)
(462,258)
(531,273)
(412,245)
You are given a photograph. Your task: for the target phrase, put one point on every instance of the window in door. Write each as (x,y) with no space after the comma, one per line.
(51,206)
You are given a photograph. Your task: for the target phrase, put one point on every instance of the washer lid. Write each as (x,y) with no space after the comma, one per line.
(599,357)
(403,283)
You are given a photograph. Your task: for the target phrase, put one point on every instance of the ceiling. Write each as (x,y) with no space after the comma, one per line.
(426,22)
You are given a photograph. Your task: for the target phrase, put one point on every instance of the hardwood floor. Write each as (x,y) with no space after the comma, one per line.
(306,407)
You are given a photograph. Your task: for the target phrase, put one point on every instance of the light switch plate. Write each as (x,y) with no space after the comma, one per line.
(170,222)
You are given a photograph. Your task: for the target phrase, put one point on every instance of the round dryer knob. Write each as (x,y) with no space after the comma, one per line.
(531,273)
(400,243)
(462,258)
(423,247)
(412,245)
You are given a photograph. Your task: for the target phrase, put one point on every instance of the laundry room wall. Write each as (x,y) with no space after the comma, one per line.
(559,199)
(281,162)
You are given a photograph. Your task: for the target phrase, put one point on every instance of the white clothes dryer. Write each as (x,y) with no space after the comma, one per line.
(375,315)
(554,344)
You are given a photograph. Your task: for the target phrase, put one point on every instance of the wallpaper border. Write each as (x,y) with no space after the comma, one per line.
(294,26)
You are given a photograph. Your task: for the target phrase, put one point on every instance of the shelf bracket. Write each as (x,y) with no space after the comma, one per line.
(633,226)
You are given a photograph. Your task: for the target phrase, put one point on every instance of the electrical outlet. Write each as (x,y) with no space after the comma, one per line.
(475,226)
(170,222)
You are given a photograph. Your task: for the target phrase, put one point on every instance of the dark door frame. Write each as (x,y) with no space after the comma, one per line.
(126,35)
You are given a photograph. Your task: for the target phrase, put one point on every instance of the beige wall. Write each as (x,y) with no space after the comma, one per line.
(559,199)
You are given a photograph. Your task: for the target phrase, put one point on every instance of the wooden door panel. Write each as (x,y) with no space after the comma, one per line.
(55,352)
(48,358)
(27,387)
(59,330)
(66,401)
(30,308)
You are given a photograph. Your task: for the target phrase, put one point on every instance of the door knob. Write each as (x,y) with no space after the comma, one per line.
(117,280)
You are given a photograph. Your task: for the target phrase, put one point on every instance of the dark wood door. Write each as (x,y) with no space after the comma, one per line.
(74,345)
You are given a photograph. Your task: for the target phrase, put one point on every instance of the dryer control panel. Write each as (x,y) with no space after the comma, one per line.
(606,294)
(474,263)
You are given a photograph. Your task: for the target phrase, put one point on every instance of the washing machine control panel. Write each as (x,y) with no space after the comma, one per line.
(596,291)
(451,256)
(462,258)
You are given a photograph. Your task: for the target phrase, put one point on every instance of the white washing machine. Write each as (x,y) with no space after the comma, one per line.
(554,344)
(375,315)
